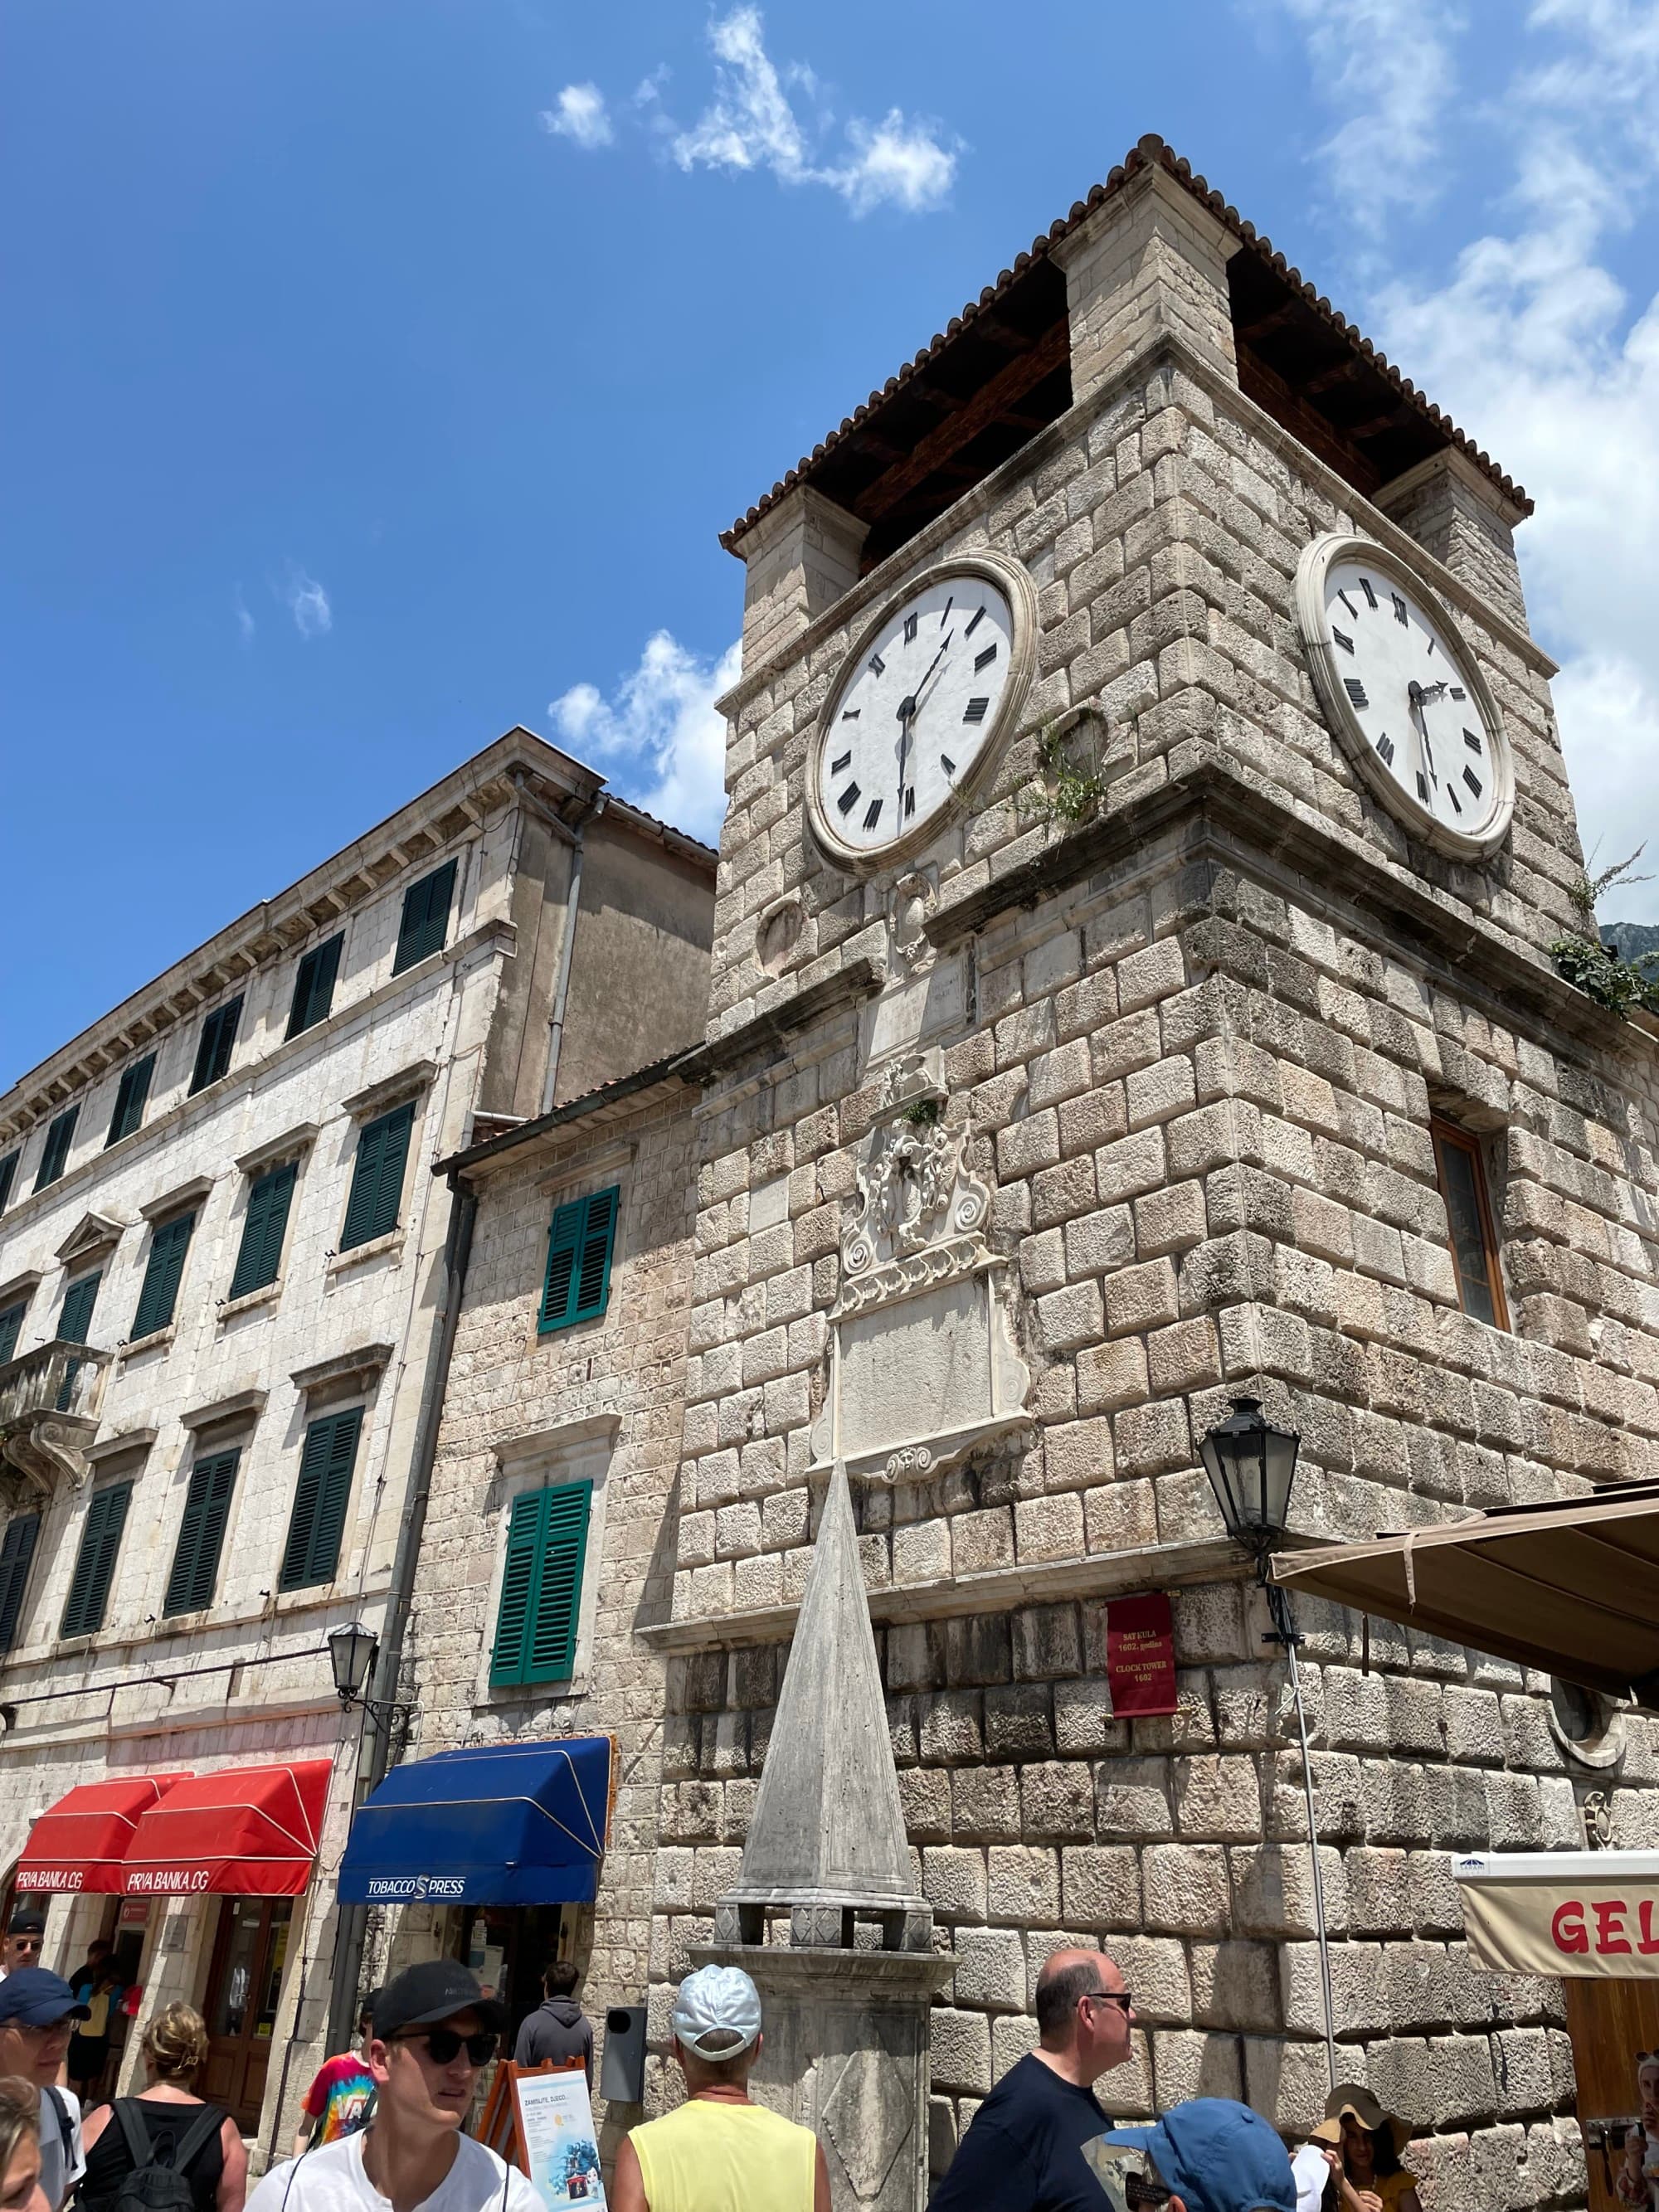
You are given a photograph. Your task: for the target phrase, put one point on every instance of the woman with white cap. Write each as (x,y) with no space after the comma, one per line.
(718,2151)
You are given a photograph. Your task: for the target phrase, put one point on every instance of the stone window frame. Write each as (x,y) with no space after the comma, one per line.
(295,1145)
(569,1452)
(1444,1131)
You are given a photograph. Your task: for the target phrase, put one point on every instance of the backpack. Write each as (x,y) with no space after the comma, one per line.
(153,2186)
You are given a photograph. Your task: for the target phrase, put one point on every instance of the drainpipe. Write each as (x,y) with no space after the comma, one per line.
(375,1752)
(562,986)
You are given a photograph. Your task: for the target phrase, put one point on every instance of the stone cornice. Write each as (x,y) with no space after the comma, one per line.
(1049,1581)
(1211,799)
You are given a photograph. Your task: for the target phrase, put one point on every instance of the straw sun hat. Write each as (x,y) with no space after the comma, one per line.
(1353,2097)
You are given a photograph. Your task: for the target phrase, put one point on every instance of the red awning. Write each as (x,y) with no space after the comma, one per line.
(244,1831)
(82,1842)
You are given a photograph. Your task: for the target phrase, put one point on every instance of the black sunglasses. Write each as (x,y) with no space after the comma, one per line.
(444,2045)
(1119,1997)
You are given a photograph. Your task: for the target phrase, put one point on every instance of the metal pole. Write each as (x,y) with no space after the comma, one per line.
(1288,1634)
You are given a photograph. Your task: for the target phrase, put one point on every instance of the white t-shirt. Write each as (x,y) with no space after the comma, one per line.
(57,2176)
(332,2179)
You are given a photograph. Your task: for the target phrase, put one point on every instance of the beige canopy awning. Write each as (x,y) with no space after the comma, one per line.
(1571,1589)
(1588,1915)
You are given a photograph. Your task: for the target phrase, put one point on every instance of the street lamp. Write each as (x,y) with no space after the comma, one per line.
(1252,1467)
(351,1650)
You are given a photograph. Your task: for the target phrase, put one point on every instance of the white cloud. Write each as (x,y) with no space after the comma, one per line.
(1535,346)
(659,732)
(580,116)
(751,124)
(244,622)
(307,601)
(1390,61)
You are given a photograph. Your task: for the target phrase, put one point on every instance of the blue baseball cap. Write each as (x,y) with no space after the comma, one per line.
(35,1998)
(1218,2156)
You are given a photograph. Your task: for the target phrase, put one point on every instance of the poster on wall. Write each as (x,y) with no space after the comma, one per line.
(556,2137)
(1141,1669)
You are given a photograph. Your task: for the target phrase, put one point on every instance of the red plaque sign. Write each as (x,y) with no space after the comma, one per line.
(1140,1655)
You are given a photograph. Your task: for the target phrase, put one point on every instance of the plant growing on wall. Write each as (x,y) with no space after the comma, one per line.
(1595,967)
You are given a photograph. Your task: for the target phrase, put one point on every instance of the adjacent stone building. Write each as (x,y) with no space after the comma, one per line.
(221,1282)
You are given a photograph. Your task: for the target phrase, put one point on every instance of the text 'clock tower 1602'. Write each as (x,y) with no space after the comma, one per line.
(1132,993)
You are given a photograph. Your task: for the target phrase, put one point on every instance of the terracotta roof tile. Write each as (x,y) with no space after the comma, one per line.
(1150,149)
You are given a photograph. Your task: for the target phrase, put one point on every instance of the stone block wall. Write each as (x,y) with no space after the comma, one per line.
(506,1384)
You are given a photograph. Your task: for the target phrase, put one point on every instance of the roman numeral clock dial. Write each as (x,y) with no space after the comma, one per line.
(1404,695)
(922,705)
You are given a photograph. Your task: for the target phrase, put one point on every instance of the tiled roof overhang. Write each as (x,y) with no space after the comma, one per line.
(1305,363)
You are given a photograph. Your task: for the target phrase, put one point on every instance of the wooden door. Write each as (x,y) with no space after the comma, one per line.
(244,1984)
(1613,2026)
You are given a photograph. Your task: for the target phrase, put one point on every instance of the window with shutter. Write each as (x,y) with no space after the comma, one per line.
(74,1326)
(8,1177)
(313,986)
(54,1154)
(164,1274)
(201,1533)
(11,1325)
(425,922)
(312,1553)
(579,1249)
(217,1041)
(260,1260)
(131,1096)
(540,1608)
(94,1564)
(377,1177)
(17,1553)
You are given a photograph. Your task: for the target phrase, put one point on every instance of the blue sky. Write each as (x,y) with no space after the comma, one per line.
(375,376)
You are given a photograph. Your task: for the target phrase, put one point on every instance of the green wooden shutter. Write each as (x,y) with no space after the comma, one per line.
(218,1041)
(377,1177)
(540,1607)
(313,986)
(425,922)
(264,1227)
(94,1565)
(11,1324)
(557,1610)
(201,1533)
(524,1545)
(17,1552)
(131,1094)
(579,1244)
(312,1550)
(75,1315)
(8,1177)
(164,1274)
(54,1154)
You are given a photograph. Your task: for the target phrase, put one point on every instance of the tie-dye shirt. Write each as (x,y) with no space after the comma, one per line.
(341,2097)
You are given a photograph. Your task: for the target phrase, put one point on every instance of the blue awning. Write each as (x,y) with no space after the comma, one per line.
(500,1824)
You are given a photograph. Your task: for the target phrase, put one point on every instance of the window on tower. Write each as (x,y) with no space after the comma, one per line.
(1472,1232)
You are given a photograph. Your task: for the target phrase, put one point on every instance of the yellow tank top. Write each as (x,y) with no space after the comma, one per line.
(716,2157)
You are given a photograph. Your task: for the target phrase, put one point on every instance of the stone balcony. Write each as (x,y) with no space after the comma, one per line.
(49,1404)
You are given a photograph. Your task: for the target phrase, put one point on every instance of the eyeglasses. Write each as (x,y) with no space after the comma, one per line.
(444,2045)
(24,1942)
(1119,1997)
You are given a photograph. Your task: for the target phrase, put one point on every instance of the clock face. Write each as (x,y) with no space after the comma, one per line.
(926,694)
(1406,696)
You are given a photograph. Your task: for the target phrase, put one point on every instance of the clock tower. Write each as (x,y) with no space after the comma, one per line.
(1132,991)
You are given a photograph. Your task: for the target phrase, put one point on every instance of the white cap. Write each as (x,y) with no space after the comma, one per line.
(713,1998)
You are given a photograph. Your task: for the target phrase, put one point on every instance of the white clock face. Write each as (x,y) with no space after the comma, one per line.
(928,690)
(1406,696)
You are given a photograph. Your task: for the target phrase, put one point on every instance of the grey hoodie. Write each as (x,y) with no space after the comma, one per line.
(556,2030)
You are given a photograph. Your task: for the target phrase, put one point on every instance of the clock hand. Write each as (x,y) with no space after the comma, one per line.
(1418,696)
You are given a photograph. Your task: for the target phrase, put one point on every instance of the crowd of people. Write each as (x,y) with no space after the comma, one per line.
(385,2124)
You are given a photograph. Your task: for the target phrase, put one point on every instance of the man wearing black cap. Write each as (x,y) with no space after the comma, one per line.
(432,2029)
(23,1939)
(37,2012)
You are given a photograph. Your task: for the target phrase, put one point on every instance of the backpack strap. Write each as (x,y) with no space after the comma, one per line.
(196,2137)
(65,2126)
(134,2133)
